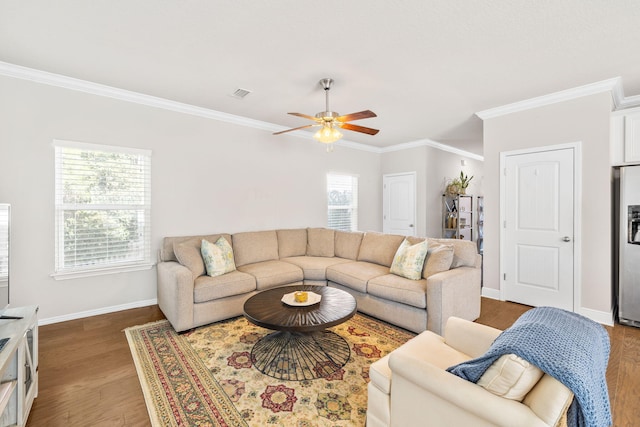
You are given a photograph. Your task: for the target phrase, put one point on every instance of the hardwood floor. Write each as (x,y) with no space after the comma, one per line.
(87,376)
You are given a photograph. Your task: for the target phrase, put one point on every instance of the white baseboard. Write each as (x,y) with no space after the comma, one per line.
(103,310)
(603,317)
(491,293)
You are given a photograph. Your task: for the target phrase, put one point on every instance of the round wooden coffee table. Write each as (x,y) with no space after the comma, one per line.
(302,347)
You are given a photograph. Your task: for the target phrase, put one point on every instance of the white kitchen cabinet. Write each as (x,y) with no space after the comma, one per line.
(632,138)
(625,137)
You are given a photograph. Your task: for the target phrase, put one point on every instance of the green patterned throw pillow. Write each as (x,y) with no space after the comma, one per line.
(409,260)
(218,257)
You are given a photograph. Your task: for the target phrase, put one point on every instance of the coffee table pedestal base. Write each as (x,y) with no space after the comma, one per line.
(297,356)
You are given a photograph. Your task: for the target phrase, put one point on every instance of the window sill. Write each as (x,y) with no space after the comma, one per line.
(101,271)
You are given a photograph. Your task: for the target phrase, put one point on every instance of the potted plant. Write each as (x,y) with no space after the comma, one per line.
(459,185)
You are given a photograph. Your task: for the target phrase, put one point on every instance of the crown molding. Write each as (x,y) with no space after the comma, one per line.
(614,86)
(430,143)
(58,80)
(629,102)
(71,83)
(65,82)
(404,146)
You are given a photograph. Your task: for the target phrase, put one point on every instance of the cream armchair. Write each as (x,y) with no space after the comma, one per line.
(411,387)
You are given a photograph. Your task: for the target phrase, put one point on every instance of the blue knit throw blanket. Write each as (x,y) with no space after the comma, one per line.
(569,347)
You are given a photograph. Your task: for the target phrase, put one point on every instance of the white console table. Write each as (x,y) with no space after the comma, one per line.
(18,365)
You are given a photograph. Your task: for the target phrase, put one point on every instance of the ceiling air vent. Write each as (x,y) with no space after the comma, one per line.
(240,93)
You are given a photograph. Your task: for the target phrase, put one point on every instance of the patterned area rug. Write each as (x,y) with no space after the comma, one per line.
(205,377)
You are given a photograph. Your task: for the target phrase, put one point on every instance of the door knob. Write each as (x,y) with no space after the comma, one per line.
(410,225)
(566,239)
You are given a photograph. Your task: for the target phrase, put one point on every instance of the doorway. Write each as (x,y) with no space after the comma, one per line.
(399,203)
(539,216)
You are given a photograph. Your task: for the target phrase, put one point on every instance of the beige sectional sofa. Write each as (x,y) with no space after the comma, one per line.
(356,262)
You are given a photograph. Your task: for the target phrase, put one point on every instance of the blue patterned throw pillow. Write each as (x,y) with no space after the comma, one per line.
(409,260)
(217,257)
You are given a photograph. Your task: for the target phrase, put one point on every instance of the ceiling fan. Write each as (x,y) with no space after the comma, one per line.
(331,122)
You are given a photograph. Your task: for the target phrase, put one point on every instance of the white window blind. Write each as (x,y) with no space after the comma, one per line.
(342,202)
(103,207)
(4,243)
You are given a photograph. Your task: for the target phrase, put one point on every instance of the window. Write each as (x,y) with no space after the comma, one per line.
(342,202)
(103,208)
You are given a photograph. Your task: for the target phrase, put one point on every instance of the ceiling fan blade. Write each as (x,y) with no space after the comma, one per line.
(304,116)
(357,116)
(291,130)
(356,128)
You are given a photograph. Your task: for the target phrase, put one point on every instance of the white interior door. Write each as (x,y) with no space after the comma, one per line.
(538,227)
(399,204)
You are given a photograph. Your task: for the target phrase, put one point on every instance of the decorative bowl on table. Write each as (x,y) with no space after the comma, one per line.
(297,299)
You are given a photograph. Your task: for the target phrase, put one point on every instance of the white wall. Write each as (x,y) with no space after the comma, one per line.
(207,176)
(411,160)
(443,166)
(584,119)
(433,168)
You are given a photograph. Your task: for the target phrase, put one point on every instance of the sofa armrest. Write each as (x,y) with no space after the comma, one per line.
(468,337)
(447,399)
(454,292)
(478,261)
(175,294)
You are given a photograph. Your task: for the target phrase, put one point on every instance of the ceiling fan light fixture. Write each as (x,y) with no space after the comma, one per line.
(331,122)
(327,134)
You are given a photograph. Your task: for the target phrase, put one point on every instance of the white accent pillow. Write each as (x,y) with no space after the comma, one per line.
(409,260)
(511,377)
(217,257)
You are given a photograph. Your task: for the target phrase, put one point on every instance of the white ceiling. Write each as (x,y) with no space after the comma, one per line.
(424,66)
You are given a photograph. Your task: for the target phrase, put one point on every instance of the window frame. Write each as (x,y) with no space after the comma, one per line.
(144,262)
(353,206)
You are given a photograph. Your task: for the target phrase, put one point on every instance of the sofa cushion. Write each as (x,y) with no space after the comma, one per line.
(271,274)
(355,274)
(432,348)
(347,244)
(217,257)
(314,268)
(187,252)
(169,243)
(320,242)
(255,246)
(439,259)
(428,346)
(292,242)
(380,374)
(379,248)
(510,377)
(549,399)
(399,289)
(408,261)
(464,251)
(207,288)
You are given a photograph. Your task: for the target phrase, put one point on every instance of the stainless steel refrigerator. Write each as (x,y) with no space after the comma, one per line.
(629,246)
